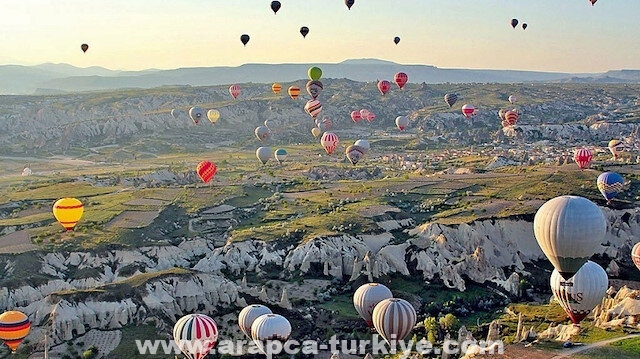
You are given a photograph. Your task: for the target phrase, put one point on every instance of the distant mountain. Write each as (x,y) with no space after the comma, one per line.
(61,78)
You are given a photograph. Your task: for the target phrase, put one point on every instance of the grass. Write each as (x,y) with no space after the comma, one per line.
(343,305)
(127,347)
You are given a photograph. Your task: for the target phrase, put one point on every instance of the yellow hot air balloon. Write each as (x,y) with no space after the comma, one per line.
(316,132)
(14,327)
(276,87)
(68,212)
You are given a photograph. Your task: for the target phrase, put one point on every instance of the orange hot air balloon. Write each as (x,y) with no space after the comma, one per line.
(68,212)
(14,327)
(206,170)
(400,79)
(294,91)
(276,87)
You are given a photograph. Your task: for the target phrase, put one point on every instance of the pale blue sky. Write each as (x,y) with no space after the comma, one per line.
(562,35)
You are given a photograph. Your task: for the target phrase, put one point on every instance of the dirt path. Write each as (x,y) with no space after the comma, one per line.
(567,353)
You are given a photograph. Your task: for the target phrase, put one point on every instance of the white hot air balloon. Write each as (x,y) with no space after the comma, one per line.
(364,144)
(402,122)
(264,154)
(248,315)
(581,293)
(270,327)
(367,296)
(393,319)
(569,230)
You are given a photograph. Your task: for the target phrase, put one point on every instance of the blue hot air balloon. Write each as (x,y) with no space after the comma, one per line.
(610,184)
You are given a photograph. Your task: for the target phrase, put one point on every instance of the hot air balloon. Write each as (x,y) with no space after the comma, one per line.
(581,293)
(84,47)
(501,114)
(469,111)
(364,113)
(213,116)
(396,40)
(14,327)
(384,86)
(248,315)
(324,124)
(263,154)
(276,87)
(294,91)
(316,131)
(304,31)
(349,3)
(262,133)
(206,170)
(400,79)
(370,116)
(402,122)
(314,87)
(314,73)
(354,154)
(616,146)
(195,335)
(329,141)
(275,6)
(512,99)
(510,118)
(610,184)
(514,23)
(270,327)
(569,230)
(635,255)
(393,319)
(68,212)
(364,144)
(524,26)
(175,113)
(593,2)
(313,108)
(450,98)
(234,90)
(355,116)
(583,158)
(196,113)
(280,155)
(244,38)
(367,296)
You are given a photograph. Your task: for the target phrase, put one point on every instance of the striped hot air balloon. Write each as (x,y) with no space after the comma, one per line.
(234,90)
(195,335)
(206,170)
(583,158)
(610,184)
(510,118)
(68,212)
(329,141)
(635,255)
(384,86)
(354,154)
(469,111)
(248,315)
(270,327)
(294,92)
(450,99)
(581,293)
(14,327)
(615,146)
(276,87)
(393,319)
(313,108)
(400,79)
(314,88)
(280,154)
(367,296)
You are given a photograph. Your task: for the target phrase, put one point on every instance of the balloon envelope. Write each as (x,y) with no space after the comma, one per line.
(393,319)
(579,294)
(610,184)
(280,155)
(355,116)
(248,315)
(615,146)
(14,327)
(270,327)
(206,170)
(510,118)
(400,79)
(213,116)
(196,113)
(314,73)
(635,255)
(384,86)
(84,47)
(262,133)
(469,111)
(367,296)
(512,99)
(68,212)
(583,158)
(263,154)
(316,131)
(293,91)
(450,98)
(314,88)
(349,3)
(234,90)
(244,39)
(569,229)
(354,154)
(329,141)
(275,6)
(304,31)
(175,113)
(396,40)
(402,122)
(524,26)
(514,23)
(364,144)
(276,87)
(195,335)
(313,108)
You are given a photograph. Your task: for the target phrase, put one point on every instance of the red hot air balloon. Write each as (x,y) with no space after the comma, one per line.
(206,170)
(355,116)
(384,86)
(400,79)
(370,116)
(329,141)
(510,118)
(234,90)
(583,158)
(468,111)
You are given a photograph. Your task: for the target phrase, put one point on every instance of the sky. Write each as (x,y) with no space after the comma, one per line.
(562,35)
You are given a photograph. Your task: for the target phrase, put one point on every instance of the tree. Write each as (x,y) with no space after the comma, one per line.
(430,324)
(449,322)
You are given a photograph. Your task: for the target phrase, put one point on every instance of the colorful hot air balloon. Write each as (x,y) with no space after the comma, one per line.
(616,146)
(393,319)
(364,144)
(329,141)
(469,111)
(514,23)
(396,40)
(512,99)
(450,98)
(213,116)
(610,184)
(583,158)
(195,335)
(270,327)
(524,26)
(355,116)
(314,73)
(316,132)
(14,327)
(581,293)
(400,79)
(206,170)
(367,296)
(276,87)
(354,154)
(234,90)
(196,113)
(402,122)
(313,108)
(275,6)
(384,86)
(280,155)
(248,315)
(294,91)
(314,88)
(175,113)
(263,154)
(244,38)
(84,47)
(569,230)
(68,212)
(304,31)
(262,133)
(510,118)
(635,255)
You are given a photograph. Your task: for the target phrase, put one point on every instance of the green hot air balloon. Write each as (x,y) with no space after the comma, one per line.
(314,73)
